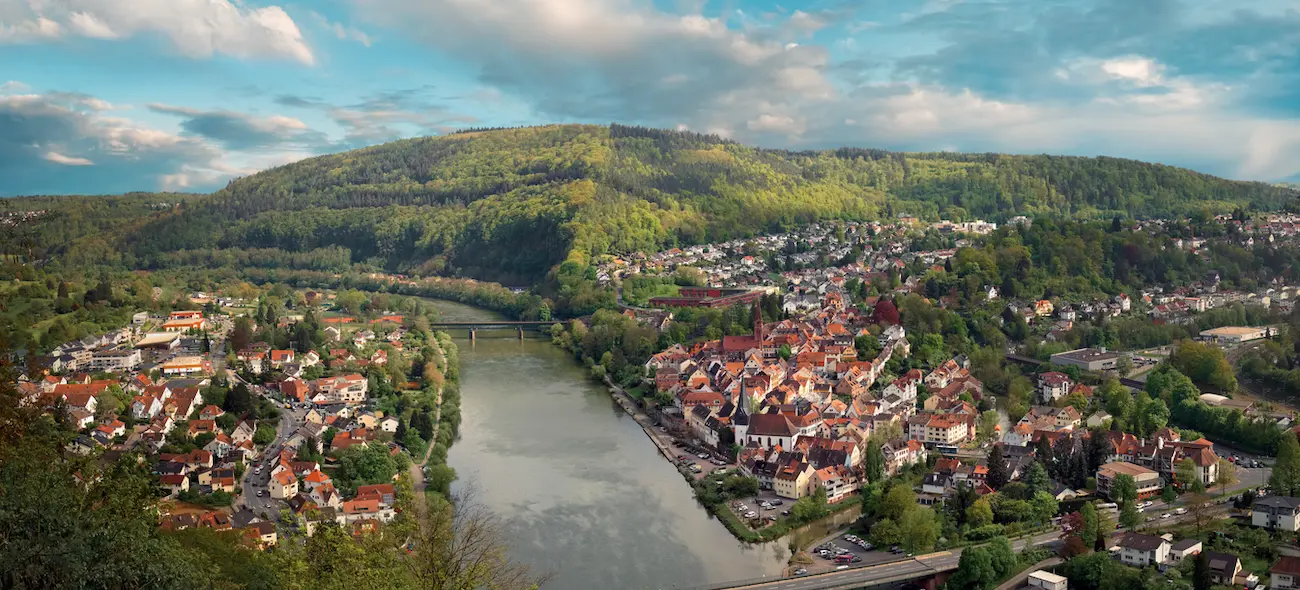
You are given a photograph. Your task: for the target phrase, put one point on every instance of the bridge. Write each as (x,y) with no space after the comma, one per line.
(928,571)
(474,327)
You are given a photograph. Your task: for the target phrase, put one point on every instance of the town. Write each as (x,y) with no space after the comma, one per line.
(824,405)
(254,419)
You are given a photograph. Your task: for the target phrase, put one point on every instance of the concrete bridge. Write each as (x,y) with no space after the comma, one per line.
(474,327)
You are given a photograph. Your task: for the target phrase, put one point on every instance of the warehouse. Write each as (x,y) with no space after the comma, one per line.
(1088,359)
(1233,334)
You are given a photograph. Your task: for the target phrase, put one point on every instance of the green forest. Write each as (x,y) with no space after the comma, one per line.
(511,205)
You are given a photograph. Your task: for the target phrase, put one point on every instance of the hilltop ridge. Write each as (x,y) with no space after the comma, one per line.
(511,204)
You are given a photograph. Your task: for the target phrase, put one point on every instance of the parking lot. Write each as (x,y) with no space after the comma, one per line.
(847,551)
(689,456)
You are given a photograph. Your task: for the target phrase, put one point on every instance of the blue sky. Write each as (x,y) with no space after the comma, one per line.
(106,96)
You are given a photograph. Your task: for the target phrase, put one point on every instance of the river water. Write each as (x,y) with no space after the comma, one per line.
(583,491)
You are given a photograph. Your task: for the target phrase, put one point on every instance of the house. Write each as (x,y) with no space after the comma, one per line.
(1285,574)
(1052,386)
(1140,550)
(792,479)
(211,412)
(357,510)
(1276,512)
(1224,567)
(262,532)
(1148,482)
(283,485)
(177,483)
(388,424)
(385,493)
(1183,549)
(347,389)
(280,357)
(938,429)
(1046,580)
(838,482)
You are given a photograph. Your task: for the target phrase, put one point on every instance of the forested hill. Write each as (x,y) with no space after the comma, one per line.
(510,204)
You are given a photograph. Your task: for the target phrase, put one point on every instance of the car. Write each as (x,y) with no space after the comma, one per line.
(261,493)
(868,546)
(751,514)
(800,572)
(703,455)
(663,429)
(1165,515)
(857,559)
(777,502)
(785,513)
(895,550)
(769,518)
(1180,511)
(842,567)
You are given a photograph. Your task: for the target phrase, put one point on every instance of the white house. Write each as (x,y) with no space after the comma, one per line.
(1140,550)
(1276,512)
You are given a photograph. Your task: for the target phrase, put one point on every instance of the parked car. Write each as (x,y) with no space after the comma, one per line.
(800,572)
(1180,511)
(1165,515)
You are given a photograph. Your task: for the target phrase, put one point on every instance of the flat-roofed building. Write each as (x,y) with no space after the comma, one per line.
(1148,481)
(1234,334)
(1088,359)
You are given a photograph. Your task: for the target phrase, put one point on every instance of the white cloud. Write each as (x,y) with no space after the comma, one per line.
(341,31)
(58,158)
(196,28)
(1142,71)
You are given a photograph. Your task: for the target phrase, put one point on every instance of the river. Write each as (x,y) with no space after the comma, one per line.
(583,491)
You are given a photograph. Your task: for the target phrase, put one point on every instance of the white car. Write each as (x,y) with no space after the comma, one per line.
(1165,515)
(751,515)
(1180,511)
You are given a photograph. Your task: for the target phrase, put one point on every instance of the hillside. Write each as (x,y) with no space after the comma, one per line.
(510,204)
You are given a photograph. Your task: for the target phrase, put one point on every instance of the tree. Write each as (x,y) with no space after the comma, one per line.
(1201,578)
(975,570)
(898,501)
(1200,509)
(980,513)
(1169,494)
(241,335)
(1226,475)
(885,533)
(1090,527)
(919,530)
(1124,491)
(1285,479)
(239,401)
(1037,480)
(874,463)
(998,475)
(988,425)
(1187,474)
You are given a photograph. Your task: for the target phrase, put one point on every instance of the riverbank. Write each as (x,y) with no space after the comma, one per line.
(738,529)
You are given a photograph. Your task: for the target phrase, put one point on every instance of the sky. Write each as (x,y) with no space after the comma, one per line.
(108,96)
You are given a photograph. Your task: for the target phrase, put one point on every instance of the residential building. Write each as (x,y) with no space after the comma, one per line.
(1140,550)
(1276,512)
(1052,386)
(1224,567)
(185,365)
(938,429)
(283,485)
(1184,549)
(838,482)
(1148,482)
(1285,574)
(115,361)
(792,480)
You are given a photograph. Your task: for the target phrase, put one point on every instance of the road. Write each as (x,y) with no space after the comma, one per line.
(255,482)
(887,573)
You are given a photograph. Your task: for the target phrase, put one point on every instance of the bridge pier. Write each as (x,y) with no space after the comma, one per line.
(471,335)
(521,333)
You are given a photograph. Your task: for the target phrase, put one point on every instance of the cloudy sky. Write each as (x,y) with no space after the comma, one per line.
(105,96)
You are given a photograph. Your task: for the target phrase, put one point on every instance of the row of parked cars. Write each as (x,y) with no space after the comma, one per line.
(860,542)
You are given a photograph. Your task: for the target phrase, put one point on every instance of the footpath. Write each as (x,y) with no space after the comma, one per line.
(661,440)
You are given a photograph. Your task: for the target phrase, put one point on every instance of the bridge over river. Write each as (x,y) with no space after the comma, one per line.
(473,327)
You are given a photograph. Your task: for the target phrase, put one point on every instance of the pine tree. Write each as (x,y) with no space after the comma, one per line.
(998,475)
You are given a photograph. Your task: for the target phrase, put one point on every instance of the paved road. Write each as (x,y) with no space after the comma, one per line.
(893,572)
(254,482)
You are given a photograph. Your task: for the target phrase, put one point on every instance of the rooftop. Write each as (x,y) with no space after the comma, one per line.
(1087,355)
(1231,331)
(1120,468)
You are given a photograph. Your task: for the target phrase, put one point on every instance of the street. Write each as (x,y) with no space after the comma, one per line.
(254,482)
